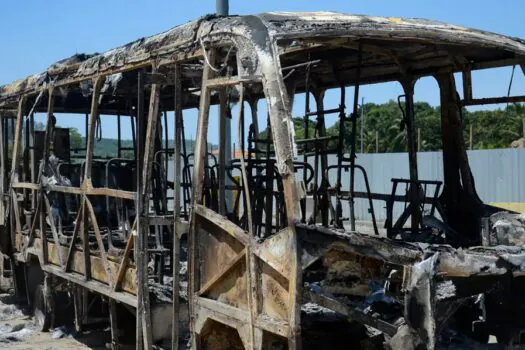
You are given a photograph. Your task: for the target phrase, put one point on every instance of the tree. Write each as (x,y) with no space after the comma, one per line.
(496,128)
(75,139)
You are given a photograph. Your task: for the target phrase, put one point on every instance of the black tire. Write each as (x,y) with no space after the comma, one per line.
(41,310)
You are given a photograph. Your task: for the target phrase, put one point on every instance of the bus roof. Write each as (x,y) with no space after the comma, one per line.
(183,41)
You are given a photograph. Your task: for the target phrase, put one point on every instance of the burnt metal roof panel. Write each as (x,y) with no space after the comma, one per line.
(278,25)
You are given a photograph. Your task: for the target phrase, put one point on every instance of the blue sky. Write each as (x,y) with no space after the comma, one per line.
(38,33)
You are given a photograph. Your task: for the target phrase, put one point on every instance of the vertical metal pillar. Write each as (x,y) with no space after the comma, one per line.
(3,173)
(90,135)
(147,141)
(463,208)
(119,137)
(340,154)
(176,207)
(224,156)
(362,124)
(198,176)
(306,125)
(408,87)
(354,132)
(253,108)
(142,339)
(86,128)
(222,7)
(320,156)
(113,321)
(225,130)
(43,165)
(32,161)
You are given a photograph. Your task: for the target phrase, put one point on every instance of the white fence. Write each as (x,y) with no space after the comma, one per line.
(497,175)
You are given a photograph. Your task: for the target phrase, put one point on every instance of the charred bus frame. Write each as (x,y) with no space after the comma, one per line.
(251,261)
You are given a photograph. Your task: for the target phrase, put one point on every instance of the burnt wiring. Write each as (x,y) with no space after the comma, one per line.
(243,165)
(207,60)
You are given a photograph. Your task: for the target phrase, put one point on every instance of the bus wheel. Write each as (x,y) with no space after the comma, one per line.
(42,309)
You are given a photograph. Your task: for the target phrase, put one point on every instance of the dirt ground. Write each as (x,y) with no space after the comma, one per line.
(17,331)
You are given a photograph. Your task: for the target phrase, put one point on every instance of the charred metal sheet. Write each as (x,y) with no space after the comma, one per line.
(280,26)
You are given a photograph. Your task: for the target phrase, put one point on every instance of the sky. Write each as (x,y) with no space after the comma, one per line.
(38,33)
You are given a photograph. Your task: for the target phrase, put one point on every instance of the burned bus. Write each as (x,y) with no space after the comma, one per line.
(272,260)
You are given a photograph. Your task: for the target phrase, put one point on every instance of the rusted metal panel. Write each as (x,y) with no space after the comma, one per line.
(98,273)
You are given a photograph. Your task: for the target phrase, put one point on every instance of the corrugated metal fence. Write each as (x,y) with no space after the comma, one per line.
(497,174)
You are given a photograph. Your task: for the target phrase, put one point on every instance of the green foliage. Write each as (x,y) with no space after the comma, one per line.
(75,139)
(496,128)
